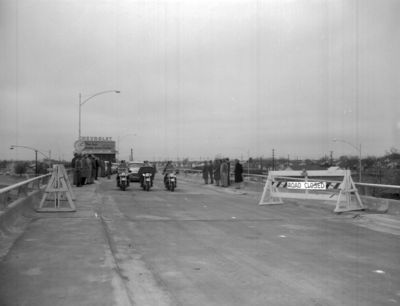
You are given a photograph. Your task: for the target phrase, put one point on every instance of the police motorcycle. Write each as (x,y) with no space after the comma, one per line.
(122,176)
(170,181)
(146,181)
(146,176)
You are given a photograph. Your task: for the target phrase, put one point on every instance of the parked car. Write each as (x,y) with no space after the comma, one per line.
(114,167)
(134,171)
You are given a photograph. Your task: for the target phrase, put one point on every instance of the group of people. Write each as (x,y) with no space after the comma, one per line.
(87,168)
(219,172)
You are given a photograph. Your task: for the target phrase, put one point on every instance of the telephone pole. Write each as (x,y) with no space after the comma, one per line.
(273,159)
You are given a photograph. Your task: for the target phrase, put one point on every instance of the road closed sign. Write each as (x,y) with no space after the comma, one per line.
(307,185)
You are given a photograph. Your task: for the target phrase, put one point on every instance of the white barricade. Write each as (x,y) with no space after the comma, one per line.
(313,185)
(58,192)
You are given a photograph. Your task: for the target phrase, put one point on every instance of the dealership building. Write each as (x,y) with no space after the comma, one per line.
(101,147)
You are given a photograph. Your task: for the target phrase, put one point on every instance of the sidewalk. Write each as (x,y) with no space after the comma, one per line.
(62,259)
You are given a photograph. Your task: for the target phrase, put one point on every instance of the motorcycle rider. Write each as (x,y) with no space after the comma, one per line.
(122,167)
(146,168)
(169,168)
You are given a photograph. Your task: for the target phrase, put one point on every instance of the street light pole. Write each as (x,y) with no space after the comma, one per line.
(87,99)
(359,154)
(359,163)
(80,104)
(36,153)
(36,166)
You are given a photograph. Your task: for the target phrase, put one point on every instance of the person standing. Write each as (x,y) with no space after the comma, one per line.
(229,171)
(85,172)
(211,172)
(73,166)
(102,168)
(238,174)
(217,171)
(109,169)
(205,172)
(96,167)
(224,173)
(78,170)
(92,169)
(89,178)
(89,169)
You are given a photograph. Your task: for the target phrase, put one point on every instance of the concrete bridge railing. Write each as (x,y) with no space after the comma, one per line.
(12,193)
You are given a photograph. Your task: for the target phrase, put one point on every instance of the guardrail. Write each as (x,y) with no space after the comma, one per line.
(368,189)
(14,192)
(253,177)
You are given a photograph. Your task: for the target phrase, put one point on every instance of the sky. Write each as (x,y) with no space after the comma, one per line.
(201,78)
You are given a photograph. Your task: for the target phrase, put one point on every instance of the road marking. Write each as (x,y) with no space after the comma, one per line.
(379,271)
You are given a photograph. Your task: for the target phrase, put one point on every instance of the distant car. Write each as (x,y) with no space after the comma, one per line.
(114,167)
(134,171)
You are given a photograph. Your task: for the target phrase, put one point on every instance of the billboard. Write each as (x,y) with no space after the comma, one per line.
(95,145)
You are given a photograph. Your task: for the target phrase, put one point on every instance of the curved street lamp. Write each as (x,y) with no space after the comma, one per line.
(36,152)
(359,154)
(87,99)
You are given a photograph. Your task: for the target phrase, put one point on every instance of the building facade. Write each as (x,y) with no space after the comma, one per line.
(101,147)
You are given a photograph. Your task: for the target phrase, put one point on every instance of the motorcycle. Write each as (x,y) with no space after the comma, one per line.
(147,181)
(123,180)
(170,181)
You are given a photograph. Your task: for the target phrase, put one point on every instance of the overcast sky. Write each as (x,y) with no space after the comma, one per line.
(201,78)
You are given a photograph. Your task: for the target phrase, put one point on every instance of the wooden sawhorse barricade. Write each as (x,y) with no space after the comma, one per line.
(343,191)
(58,195)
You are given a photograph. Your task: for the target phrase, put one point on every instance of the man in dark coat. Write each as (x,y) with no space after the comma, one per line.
(78,170)
(217,171)
(238,174)
(211,172)
(205,172)
(109,169)
(73,166)
(96,167)
(86,170)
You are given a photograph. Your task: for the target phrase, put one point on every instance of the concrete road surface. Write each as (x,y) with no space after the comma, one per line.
(201,245)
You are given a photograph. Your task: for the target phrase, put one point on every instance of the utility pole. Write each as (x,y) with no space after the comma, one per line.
(273,159)
(331,159)
(36,164)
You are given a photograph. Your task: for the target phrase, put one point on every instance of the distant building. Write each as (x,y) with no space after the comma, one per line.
(101,147)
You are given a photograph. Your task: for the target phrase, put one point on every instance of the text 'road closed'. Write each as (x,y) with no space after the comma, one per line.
(307,185)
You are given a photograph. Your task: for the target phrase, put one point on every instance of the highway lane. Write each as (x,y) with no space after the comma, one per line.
(203,245)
